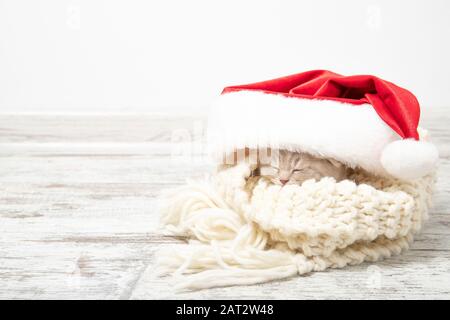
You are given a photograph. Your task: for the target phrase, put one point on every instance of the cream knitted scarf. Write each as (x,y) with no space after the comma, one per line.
(244,232)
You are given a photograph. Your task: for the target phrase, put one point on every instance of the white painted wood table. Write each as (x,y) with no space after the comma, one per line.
(78,219)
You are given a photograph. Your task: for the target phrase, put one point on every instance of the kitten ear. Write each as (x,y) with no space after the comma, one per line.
(335,163)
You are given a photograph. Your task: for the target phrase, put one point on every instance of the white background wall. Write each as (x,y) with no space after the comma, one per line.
(175,56)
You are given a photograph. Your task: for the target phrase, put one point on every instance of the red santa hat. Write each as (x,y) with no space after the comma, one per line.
(362,121)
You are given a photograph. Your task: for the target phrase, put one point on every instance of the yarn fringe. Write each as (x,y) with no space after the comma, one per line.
(241,235)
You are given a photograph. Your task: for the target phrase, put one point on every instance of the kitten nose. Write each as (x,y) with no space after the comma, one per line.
(283,182)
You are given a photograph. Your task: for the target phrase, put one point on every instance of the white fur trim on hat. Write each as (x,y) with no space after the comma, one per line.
(352,134)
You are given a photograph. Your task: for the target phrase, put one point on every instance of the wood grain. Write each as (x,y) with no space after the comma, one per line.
(78,220)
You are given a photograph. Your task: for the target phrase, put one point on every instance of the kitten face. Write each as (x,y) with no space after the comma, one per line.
(295,168)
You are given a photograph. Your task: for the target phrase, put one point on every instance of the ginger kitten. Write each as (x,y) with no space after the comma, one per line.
(295,168)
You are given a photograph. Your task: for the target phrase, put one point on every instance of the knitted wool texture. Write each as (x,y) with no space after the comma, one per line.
(245,232)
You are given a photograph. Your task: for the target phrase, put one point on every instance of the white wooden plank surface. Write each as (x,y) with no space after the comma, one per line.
(78,220)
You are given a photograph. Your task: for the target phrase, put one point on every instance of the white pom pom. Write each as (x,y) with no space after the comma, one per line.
(409,159)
